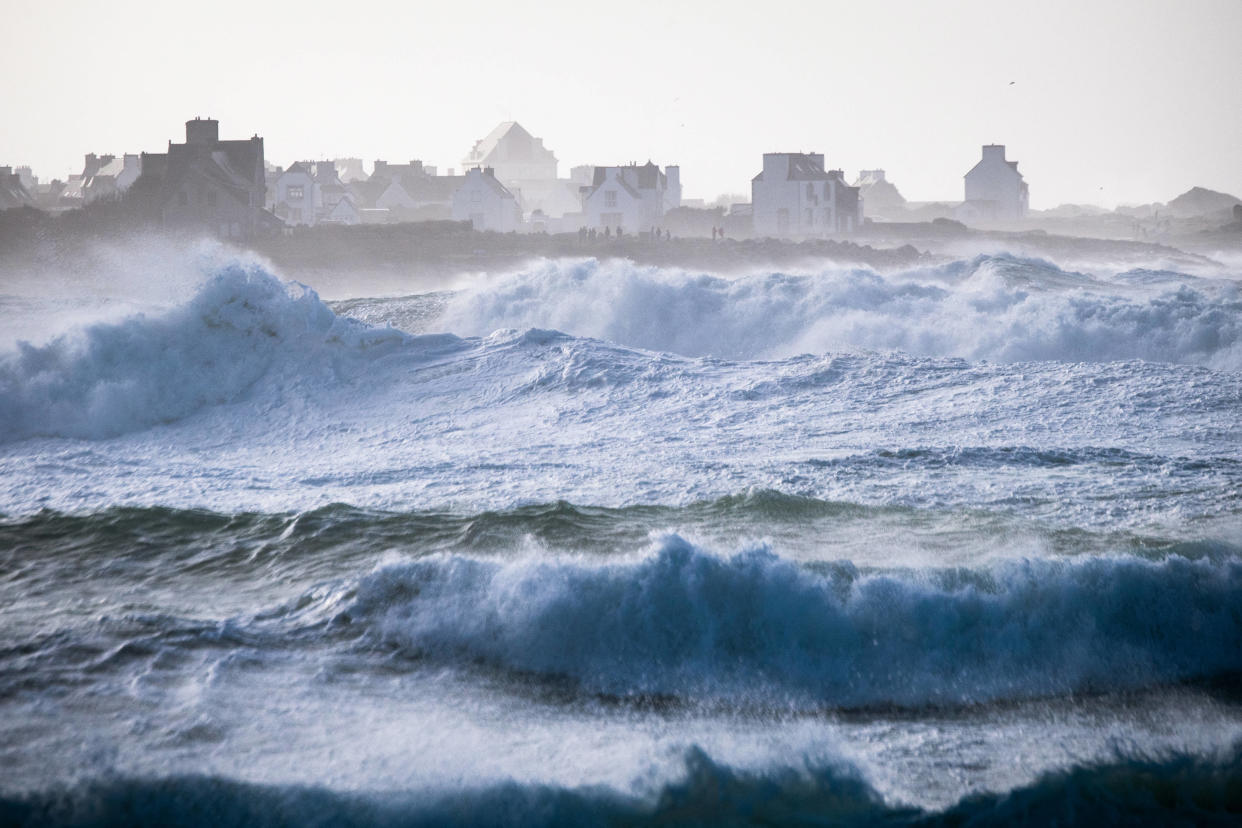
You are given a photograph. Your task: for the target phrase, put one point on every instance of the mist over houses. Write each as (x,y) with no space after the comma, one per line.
(509,181)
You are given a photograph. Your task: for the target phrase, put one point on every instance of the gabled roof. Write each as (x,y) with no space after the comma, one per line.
(432,188)
(613,175)
(1013,165)
(802,168)
(520,146)
(490,182)
(368,191)
(13,193)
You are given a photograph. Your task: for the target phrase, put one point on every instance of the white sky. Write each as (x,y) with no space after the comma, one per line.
(1112,101)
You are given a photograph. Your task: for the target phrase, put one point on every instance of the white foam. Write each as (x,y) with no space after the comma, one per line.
(756,627)
(995,307)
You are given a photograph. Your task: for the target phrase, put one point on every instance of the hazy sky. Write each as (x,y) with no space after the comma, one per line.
(1101,101)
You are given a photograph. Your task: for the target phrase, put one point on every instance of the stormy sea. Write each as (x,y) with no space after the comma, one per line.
(594,543)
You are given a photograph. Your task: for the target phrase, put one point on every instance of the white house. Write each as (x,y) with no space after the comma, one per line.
(514,154)
(632,198)
(879,195)
(343,211)
(994,188)
(795,196)
(111,176)
(485,203)
(297,195)
(527,169)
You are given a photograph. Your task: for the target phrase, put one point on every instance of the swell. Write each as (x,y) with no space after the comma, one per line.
(1171,790)
(994,307)
(673,620)
(686,623)
(243,327)
(202,542)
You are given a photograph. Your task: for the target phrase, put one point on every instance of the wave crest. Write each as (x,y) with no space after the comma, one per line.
(112,378)
(687,623)
(1173,790)
(995,307)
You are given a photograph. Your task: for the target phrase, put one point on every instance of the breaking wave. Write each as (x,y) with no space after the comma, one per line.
(998,308)
(246,335)
(1173,790)
(244,328)
(683,622)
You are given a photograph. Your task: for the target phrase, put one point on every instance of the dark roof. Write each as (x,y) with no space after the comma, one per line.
(432,188)
(803,168)
(13,193)
(368,191)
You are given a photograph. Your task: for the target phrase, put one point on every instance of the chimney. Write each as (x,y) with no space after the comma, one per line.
(489,172)
(202,132)
(996,151)
(775,166)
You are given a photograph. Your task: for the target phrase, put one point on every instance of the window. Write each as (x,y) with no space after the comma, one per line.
(476,196)
(294,193)
(810,190)
(610,198)
(810,217)
(782,219)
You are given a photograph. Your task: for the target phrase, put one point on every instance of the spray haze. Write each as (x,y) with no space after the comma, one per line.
(547,414)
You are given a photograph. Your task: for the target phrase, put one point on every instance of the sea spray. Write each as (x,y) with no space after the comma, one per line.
(996,307)
(752,626)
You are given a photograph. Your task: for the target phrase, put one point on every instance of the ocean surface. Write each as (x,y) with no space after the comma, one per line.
(592,543)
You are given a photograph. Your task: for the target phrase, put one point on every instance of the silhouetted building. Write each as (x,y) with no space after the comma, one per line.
(880,197)
(794,196)
(403,193)
(29,180)
(106,175)
(631,197)
(350,170)
(513,153)
(211,184)
(486,203)
(332,196)
(527,169)
(995,190)
(13,192)
(297,195)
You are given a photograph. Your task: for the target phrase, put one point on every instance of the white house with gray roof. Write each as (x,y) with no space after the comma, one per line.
(632,197)
(795,197)
(486,203)
(995,190)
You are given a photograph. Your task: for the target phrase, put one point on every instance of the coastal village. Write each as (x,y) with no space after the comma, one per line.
(510,182)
